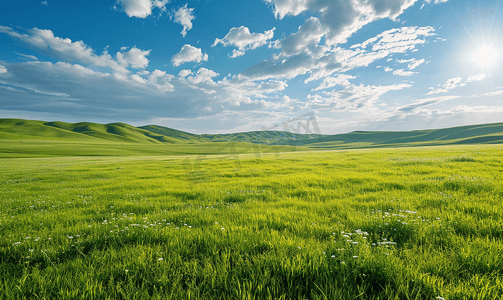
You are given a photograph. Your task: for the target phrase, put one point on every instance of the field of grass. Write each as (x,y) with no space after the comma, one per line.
(55,148)
(414,223)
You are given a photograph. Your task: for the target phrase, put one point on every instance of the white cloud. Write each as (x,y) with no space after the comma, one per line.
(45,3)
(135,58)
(141,8)
(436,1)
(237,53)
(321,61)
(419,104)
(184,73)
(241,38)
(331,81)
(448,85)
(495,93)
(138,78)
(353,97)
(401,72)
(188,53)
(136,8)
(413,63)
(184,17)
(27,57)
(341,18)
(98,94)
(399,40)
(388,69)
(478,77)
(65,49)
(452,83)
(143,73)
(306,39)
(203,75)
(160,4)
(3,69)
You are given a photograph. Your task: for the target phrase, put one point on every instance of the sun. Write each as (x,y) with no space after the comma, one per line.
(485,56)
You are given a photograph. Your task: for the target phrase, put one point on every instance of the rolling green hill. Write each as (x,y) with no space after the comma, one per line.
(264,137)
(169,132)
(473,134)
(17,129)
(40,138)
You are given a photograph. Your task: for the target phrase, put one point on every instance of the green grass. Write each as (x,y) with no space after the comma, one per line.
(56,148)
(415,223)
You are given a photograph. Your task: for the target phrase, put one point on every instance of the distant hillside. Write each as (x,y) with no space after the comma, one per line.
(17,129)
(264,137)
(165,131)
(473,134)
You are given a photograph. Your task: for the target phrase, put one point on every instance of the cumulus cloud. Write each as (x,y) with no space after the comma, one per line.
(135,58)
(141,8)
(185,73)
(306,39)
(67,50)
(188,53)
(203,75)
(342,18)
(3,69)
(184,17)
(331,81)
(243,39)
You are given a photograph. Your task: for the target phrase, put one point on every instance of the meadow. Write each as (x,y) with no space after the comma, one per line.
(411,223)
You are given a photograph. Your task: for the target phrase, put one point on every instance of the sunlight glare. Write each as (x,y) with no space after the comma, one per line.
(485,56)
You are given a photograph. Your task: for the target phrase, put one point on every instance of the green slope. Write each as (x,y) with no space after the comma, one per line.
(485,133)
(473,134)
(85,131)
(263,137)
(17,129)
(173,133)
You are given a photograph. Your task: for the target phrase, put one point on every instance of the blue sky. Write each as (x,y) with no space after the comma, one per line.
(220,66)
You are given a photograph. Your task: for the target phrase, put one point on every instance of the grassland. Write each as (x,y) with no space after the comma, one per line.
(55,148)
(414,223)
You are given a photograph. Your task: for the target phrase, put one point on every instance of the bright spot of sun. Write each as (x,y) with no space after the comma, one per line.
(485,56)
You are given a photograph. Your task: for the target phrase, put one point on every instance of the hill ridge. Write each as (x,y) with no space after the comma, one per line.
(20,129)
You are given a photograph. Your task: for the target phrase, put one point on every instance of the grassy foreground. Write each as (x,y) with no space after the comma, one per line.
(415,223)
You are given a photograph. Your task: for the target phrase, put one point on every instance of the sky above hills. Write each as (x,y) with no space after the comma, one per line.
(220,66)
